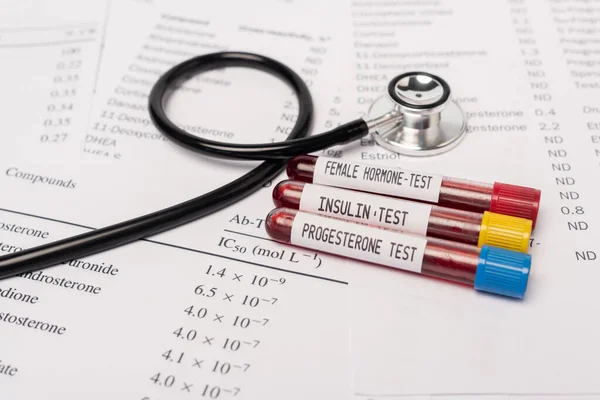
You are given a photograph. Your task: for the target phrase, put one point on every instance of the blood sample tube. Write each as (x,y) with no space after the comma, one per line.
(500,198)
(488,269)
(413,217)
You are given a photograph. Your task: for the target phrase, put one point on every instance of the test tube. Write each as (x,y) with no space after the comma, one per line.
(413,217)
(489,269)
(500,198)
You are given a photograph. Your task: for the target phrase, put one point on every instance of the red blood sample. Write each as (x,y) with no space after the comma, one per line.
(500,198)
(411,217)
(489,269)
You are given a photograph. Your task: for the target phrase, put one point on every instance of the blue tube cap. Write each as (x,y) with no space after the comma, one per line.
(502,271)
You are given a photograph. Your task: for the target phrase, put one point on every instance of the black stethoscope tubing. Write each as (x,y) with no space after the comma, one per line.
(275,156)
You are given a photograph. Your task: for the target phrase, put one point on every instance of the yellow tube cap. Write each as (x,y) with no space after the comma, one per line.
(505,231)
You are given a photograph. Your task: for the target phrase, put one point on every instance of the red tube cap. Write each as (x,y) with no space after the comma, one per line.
(518,201)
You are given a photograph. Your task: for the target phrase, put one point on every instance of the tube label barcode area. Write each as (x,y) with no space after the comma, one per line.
(359,242)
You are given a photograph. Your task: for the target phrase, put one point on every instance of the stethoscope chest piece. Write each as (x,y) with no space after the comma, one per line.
(429,121)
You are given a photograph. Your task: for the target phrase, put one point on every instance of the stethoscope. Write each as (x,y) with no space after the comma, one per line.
(416,116)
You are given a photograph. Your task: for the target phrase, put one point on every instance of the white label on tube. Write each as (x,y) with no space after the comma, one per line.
(386,212)
(360,242)
(377,179)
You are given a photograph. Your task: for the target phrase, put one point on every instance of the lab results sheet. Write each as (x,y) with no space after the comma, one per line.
(50,52)
(526,75)
(218,311)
